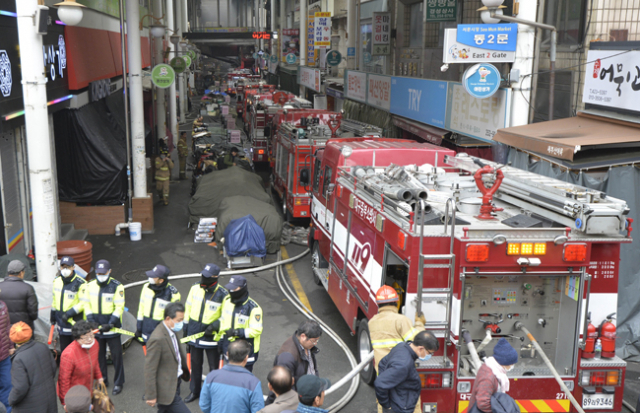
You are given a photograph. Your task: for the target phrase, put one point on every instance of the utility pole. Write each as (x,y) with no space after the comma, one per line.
(161,110)
(179,50)
(42,182)
(136,102)
(173,113)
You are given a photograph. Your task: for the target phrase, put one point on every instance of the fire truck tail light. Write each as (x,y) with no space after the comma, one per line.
(575,252)
(600,378)
(402,240)
(513,249)
(526,248)
(586,378)
(540,248)
(613,378)
(435,380)
(260,151)
(301,201)
(477,252)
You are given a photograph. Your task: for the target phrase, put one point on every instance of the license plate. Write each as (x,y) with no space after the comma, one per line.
(597,401)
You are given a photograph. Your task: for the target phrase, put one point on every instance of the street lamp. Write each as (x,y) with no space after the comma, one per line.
(70,12)
(175,39)
(157,30)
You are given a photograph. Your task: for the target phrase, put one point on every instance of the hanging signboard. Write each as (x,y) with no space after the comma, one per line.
(187,60)
(309,77)
(322,28)
(455,52)
(334,58)
(442,10)
(178,64)
(163,75)
(612,79)
(419,99)
(489,36)
(481,80)
(274,58)
(381,38)
(478,118)
(192,54)
(289,43)
(379,91)
(291,59)
(355,85)
(311,51)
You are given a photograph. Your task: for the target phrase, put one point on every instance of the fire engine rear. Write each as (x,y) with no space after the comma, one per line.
(260,110)
(485,251)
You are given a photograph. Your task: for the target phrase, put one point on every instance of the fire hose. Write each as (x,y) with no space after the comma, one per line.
(288,292)
(565,389)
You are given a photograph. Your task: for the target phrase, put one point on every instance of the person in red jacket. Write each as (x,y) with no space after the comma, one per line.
(79,361)
(492,376)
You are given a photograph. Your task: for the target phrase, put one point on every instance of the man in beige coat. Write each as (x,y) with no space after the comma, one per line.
(166,363)
(281,383)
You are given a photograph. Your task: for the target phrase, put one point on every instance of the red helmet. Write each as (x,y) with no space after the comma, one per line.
(386,294)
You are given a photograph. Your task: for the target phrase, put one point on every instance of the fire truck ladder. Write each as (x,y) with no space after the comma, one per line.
(427,262)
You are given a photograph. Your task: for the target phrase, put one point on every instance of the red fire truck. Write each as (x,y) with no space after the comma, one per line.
(233,78)
(246,85)
(259,115)
(295,143)
(485,251)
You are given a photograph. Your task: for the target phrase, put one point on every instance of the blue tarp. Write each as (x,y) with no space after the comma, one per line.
(244,237)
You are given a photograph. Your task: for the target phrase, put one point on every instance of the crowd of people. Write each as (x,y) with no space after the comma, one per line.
(222,322)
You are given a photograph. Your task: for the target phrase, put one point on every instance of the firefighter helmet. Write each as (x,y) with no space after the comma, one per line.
(386,294)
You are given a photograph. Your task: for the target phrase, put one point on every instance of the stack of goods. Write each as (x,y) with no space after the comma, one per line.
(206,230)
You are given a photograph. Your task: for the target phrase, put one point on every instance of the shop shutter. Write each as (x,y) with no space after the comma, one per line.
(10,194)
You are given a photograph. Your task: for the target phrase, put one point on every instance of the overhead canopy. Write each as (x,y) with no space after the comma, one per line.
(564,138)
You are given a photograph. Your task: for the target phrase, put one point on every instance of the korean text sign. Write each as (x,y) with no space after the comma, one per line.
(309,77)
(322,30)
(442,10)
(311,51)
(356,85)
(489,36)
(379,91)
(612,79)
(381,36)
(419,99)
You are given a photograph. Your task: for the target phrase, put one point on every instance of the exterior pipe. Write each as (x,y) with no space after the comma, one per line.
(472,350)
(565,389)
(351,33)
(42,181)
(552,51)
(180,78)
(136,104)
(127,130)
(173,113)
(120,227)
(161,110)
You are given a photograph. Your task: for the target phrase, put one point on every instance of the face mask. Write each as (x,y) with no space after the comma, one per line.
(208,282)
(510,368)
(425,358)
(178,326)
(66,272)
(152,281)
(102,277)
(87,346)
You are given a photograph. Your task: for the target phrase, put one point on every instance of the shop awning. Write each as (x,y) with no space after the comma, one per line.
(564,138)
(430,134)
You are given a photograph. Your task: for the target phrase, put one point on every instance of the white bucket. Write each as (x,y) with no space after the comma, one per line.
(135,231)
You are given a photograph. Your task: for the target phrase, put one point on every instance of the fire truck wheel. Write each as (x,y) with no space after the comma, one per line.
(367,374)
(317,262)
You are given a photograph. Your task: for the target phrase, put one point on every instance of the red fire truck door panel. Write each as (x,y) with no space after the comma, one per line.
(340,234)
(364,272)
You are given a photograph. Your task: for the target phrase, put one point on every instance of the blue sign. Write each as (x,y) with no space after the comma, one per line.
(291,59)
(367,58)
(419,99)
(489,36)
(351,51)
(481,80)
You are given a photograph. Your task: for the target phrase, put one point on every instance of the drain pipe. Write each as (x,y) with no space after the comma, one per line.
(565,389)
(126,116)
(552,51)
(472,350)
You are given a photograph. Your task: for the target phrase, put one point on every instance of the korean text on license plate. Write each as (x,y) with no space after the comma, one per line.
(597,401)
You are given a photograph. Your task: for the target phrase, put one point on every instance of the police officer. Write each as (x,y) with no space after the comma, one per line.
(155,296)
(105,305)
(164,165)
(202,313)
(68,300)
(183,152)
(241,318)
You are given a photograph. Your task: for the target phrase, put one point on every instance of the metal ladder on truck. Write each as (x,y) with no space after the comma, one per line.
(433,261)
(571,205)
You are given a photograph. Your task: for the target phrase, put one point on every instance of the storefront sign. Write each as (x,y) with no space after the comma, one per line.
(338,94)
(489,36)
(291,59)
(178,64)
(311,50)
(163,76)
(187,60)
(192,54)
(419,99)
(381,37)
(455,52)
(478,118)
(309,77)
(274,58)
(322,36)
(351,51)
(6,81)
(99,89)
(442,10)
(355,85)
(481,80)
(379,91)
(289,43)
(261,35)
(612,81)
(334,58)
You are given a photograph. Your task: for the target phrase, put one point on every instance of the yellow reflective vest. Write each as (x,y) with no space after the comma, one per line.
(387,329)
(203,307)
(247,317)
(163,168)
(105,303)
(68,296)
(151,307)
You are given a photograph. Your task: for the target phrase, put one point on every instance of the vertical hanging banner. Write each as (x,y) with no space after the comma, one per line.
(381,39)
(311,51)
(322,37)
(290,42)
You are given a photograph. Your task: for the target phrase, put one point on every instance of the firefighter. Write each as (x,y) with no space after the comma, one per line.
(199,122)
(230,157)
(389,328)
(241,318)
(68,300)
(164,165)
(202,313)
(155,296)
(183,152)
(104,306)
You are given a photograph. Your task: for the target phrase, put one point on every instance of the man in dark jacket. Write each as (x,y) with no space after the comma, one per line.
(33,374)
(398,384)
(298,353)
(19,296)
(6,349)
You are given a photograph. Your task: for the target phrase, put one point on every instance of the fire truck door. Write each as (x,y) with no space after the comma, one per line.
(363,270)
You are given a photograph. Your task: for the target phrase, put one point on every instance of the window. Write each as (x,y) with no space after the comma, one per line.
(316,175)
(415,25)
(568,16)
(326,182)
